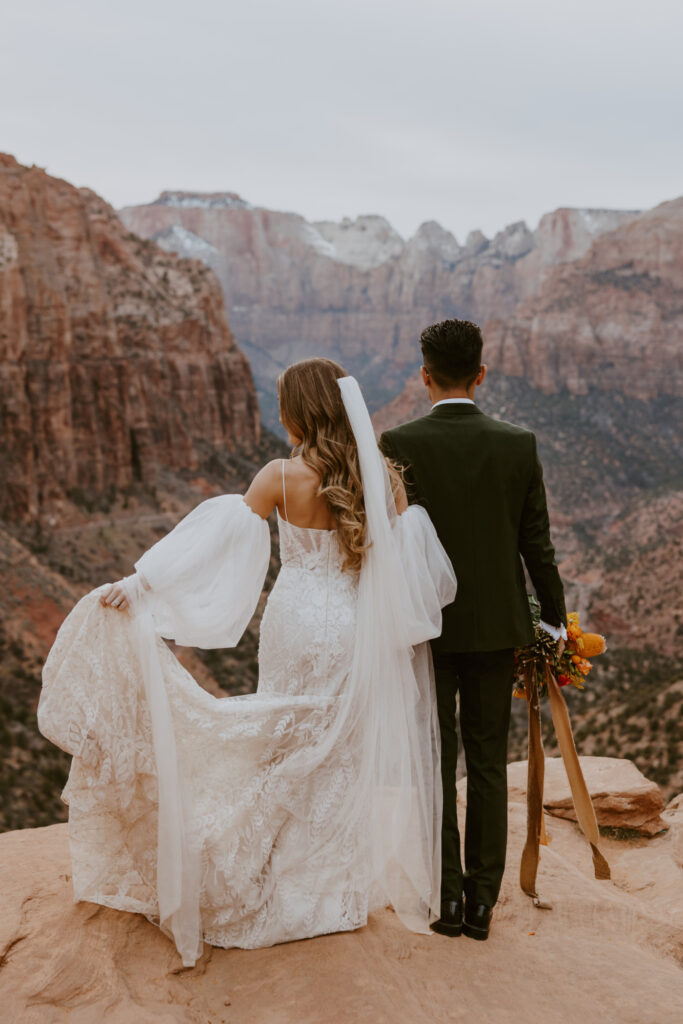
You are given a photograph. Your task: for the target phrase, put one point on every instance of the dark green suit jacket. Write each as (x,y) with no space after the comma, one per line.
(481,482)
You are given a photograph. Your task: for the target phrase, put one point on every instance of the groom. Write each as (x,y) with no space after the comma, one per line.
(481,482)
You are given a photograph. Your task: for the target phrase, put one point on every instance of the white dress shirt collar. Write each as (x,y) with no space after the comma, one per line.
(452,401)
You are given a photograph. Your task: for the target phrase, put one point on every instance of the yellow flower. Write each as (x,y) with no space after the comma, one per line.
(593,644)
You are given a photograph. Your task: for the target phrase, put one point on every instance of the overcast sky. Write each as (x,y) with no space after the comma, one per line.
(475,114)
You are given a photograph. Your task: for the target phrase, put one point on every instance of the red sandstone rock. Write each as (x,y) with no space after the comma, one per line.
(606,952)
(355,291)
(622,796)
(115,357)
(611,320)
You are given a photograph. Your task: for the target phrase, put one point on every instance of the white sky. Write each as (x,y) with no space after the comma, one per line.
(475,114)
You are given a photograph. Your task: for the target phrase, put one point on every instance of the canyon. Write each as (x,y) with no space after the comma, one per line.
(126,397)
(610,320)
(116,358)
(124,401)
(356,291)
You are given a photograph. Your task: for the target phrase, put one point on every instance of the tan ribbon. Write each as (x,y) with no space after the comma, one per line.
(585,812)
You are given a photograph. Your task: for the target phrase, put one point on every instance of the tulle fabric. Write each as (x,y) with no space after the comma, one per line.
(206,575)
(292,812)
(406,580)
(199,586)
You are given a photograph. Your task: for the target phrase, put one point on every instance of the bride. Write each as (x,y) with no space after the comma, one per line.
(294,811)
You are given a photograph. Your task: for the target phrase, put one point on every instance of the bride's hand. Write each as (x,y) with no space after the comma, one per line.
(115,597)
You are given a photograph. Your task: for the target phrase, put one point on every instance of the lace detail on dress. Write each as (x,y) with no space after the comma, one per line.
(308,627)
(274,866)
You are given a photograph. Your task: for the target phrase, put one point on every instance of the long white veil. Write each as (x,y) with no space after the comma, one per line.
(399,606)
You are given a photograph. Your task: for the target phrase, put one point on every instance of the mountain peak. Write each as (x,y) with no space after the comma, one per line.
(364,242)
(205,200)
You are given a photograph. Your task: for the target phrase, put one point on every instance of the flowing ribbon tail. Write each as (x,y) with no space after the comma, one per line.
(535,830)
(178,867)
(585,812)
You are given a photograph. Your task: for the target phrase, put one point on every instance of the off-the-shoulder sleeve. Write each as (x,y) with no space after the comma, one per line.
(205,577)
(430,582)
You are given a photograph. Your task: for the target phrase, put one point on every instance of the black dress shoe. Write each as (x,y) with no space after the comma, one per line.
(450,922)
(477,921)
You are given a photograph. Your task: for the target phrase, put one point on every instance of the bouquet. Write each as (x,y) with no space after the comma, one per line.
(539,671)
(571,668)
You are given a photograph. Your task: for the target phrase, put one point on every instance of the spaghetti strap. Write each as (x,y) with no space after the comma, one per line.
(284,495)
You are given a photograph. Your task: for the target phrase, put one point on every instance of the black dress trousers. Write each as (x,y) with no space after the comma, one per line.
(484,681)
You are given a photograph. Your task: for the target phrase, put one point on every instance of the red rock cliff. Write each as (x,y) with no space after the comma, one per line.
(115,356)
(612,320)
(355,290)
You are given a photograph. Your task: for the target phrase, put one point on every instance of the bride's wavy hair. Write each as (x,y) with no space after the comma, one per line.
(311,408)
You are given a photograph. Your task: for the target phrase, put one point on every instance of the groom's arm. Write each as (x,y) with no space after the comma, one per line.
(536,548)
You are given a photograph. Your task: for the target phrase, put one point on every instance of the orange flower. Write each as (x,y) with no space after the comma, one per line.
(574,632)
(584,666)
(593,644)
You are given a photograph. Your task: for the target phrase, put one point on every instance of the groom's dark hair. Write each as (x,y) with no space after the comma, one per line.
(451,352)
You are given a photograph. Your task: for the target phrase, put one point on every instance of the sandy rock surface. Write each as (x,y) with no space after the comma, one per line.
(607,952)
(622,796)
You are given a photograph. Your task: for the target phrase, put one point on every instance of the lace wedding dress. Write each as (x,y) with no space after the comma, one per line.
(288,813)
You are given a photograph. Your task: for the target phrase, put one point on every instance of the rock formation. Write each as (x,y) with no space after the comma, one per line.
(124,401)
(611,320)
(606,952)
(116,358)
(355,291)
(592,364)
(622,796)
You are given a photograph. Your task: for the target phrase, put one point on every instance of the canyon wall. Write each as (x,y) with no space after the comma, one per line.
(611,320)
(355,291)
(116,357)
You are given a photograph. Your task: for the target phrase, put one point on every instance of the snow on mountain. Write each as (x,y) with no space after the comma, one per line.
(366,242)
(178,239)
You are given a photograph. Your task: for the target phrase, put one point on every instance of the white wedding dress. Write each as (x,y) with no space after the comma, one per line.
(252,820)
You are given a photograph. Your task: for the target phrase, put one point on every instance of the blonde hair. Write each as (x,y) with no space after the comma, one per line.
(311,408)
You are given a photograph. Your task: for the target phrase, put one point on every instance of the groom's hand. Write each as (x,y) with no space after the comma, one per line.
(561,644)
